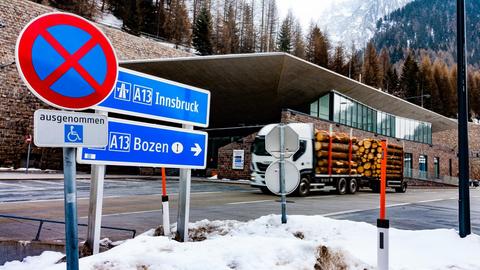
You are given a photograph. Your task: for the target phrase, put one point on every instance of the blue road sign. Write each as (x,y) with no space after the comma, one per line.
(147,96)
(141,144)
(73,134)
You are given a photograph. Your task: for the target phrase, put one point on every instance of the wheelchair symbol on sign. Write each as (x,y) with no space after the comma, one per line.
(74,133)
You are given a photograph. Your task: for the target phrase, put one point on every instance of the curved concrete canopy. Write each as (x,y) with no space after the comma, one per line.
(250,89)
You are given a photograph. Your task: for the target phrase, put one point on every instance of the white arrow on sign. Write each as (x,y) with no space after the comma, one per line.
(197,149)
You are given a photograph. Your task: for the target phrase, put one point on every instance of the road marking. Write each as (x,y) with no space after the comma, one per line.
(54,200)
(346,212)
(375,208)
(48,182)
(128,213)
(320,197)
(247,202)
(434,200)
(15,185)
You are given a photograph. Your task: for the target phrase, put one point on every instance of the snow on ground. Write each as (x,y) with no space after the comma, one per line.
(109,19)
(305,242)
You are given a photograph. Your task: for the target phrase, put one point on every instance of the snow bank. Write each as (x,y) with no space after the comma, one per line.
(306,242)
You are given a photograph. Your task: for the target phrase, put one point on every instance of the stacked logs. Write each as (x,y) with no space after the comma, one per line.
(343,149)
(369,155)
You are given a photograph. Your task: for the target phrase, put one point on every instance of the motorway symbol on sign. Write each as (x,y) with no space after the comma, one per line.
(62,129)
(66,61)
(147,96)
(292,177)
(141,144)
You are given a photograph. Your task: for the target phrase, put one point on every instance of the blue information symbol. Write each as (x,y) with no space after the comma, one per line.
(73,134)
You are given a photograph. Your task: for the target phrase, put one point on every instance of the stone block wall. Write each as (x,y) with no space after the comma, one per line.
(17,104)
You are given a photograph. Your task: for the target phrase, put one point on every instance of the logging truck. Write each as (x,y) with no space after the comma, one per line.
(327,159)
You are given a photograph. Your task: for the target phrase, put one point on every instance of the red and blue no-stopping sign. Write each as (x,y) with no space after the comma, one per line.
(66,61)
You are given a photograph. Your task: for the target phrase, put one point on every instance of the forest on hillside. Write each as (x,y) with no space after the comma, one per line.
(248,26)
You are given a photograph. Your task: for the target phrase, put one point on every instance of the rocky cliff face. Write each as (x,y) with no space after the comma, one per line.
(17,104)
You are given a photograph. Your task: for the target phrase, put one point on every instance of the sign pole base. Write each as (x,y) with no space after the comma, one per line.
(383,226)
(70,200)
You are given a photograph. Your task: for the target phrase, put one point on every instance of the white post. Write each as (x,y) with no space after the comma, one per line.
(95,205)
(166,216)
(382,244)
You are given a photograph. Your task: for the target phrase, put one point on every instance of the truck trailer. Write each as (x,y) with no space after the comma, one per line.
(327,159)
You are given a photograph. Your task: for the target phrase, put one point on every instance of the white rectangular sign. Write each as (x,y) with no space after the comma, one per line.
(69,129)
(238,159)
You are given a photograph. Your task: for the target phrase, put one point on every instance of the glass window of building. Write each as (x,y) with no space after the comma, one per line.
(364,118)
(314,108)
(336,108)
(354,114)
(349,112)
(408,165)
(436,166)
(423,166)
(324,109)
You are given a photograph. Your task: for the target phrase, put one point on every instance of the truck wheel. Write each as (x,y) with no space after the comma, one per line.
(342,186)
(265,191)
(352,186)
(375,187)
(303,189)
(402,189)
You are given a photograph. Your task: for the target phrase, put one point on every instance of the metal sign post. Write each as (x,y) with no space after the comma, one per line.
(281,142)
(383,223)
(282,174)
(463,155)
(29,141)
(70,201)
(184,200)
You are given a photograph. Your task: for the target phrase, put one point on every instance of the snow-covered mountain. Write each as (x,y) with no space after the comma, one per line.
(347,21)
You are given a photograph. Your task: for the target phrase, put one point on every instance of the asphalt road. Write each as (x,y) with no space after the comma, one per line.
(136,204)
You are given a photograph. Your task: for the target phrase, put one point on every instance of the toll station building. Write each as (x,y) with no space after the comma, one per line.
(249,91)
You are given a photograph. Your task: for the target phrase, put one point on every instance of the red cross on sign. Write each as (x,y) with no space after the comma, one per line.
(66,61)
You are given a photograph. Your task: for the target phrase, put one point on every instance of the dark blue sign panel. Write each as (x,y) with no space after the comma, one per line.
(147,96)
(147,145)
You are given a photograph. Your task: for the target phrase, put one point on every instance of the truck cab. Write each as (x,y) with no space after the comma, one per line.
(303,158)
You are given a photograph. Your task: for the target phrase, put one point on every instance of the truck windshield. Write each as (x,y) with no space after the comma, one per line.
(258,147)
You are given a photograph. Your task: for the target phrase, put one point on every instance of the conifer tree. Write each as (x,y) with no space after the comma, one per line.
(409,79)
(371,67)
(317,47)
(84,8)
(385,66)
(441,97)
(427,83)
(354,64)
(202,32)
(230,40)
(284,42)
(338,61)
(177,24)
(248,30)
(298,41)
